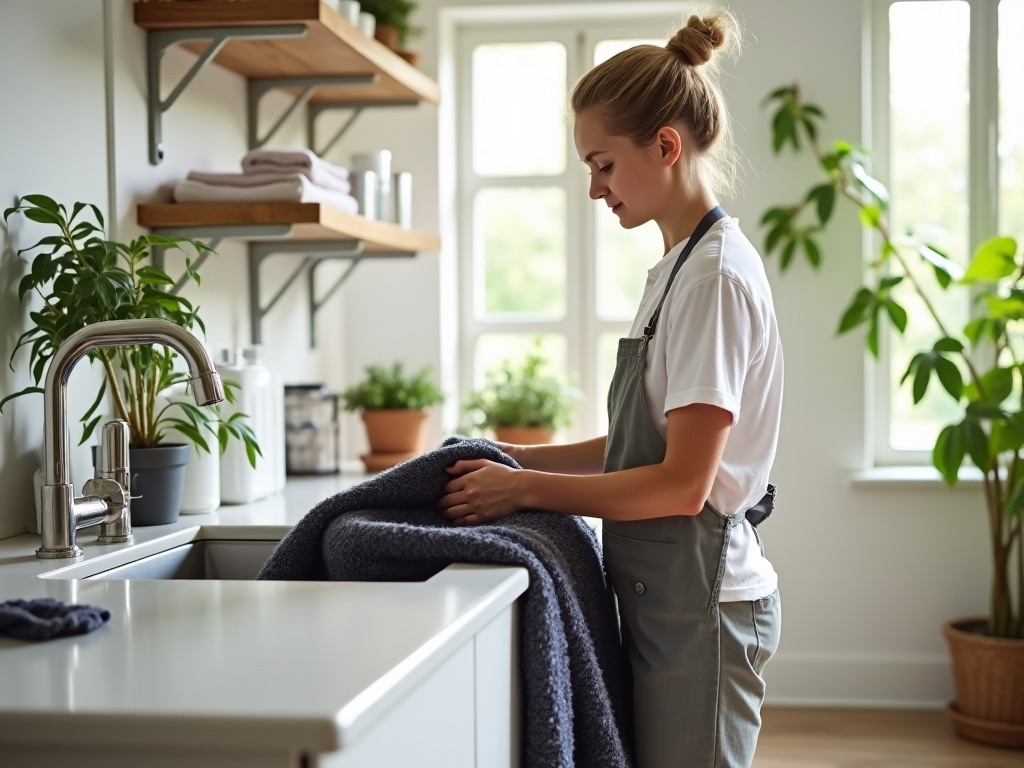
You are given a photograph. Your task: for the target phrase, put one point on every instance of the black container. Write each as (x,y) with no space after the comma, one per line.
(157,482)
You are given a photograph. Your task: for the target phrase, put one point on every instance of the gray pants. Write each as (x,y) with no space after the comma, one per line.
(750,632)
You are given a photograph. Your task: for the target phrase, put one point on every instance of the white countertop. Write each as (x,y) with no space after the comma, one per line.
(300,665)
(268,518)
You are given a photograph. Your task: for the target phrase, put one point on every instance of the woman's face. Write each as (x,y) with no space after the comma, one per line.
(632,180)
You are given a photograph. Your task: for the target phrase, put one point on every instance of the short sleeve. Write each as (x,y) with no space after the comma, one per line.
(714,334)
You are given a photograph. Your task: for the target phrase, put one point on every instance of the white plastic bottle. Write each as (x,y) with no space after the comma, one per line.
(261,398)
(202,473)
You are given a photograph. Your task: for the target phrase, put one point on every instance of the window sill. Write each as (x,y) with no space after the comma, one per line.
(919,477)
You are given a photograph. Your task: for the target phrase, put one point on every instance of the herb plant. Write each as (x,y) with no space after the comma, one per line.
(83,279)
(522,396)
(395,13)
(979,366)
(391,388)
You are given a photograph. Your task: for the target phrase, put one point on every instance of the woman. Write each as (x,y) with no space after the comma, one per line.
(694,411)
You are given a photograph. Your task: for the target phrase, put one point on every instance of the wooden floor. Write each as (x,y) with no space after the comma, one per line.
(830,738)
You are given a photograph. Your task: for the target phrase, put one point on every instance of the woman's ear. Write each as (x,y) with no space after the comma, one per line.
(670,144)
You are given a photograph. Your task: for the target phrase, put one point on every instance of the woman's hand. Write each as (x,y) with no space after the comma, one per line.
(481,492)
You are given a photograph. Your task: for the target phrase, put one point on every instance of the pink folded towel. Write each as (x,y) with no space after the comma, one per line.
(320,172)
(259,179)
(297,189)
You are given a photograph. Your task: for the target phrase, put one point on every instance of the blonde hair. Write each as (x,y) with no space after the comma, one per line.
(640,90)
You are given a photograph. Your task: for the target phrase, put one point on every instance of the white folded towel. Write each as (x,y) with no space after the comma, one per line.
(299,189)
(320,172)
(259,179)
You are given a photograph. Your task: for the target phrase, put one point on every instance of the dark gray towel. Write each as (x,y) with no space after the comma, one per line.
(45,618)
(576,676)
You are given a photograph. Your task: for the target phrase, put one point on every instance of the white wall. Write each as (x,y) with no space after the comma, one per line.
(867,575)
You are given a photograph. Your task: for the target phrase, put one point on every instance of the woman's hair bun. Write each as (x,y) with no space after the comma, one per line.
(701,36)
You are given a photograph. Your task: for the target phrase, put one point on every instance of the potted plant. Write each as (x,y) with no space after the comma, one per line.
(393,410)
(394,28)
(521,403)
(978,366)
(84,279)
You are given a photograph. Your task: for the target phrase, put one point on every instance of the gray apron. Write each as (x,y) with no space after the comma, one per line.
(667,573)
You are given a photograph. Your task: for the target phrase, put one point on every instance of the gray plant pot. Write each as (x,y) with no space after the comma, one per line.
(158,480)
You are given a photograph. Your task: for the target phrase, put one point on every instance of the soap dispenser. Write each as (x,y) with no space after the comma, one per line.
(261,397)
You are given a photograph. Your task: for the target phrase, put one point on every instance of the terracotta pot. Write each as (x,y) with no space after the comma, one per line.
(387,34)
(989,676)
(411,56)
(378,462)
(399,430)
(524,435)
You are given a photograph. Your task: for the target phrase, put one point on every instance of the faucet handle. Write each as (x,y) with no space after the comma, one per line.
(112,464)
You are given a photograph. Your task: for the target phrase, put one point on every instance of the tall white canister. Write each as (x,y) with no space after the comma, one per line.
(202,473)
(261,397)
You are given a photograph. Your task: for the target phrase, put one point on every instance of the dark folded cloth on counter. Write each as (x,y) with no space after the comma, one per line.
(576,675)
(45,618)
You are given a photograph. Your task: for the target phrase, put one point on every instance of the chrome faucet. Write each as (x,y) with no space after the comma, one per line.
(107,496)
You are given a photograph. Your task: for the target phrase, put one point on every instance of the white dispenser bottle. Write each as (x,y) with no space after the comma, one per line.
(202,473)
(261,398)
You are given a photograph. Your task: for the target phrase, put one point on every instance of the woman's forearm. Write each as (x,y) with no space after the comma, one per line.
(632,494)
(586,458)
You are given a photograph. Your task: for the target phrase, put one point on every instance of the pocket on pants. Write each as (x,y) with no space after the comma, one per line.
(768,626)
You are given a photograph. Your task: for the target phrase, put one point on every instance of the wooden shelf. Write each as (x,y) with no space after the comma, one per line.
(331,46)
(309,221)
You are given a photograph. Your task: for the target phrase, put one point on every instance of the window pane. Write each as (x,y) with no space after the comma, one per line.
(623,258)
(520,251)
(492,349)
(929,102)
(1011,118)
(605,49)
(519,124)
(607,347)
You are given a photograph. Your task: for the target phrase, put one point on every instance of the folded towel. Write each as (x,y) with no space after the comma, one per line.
(576,675)
(259,179)
(298,189)
(303,161)
(45,618)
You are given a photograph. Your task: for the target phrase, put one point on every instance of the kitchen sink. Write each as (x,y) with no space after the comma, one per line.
(205,559)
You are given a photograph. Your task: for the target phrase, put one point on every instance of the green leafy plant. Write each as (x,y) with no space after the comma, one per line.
(83,279)
(979,366)
(522,396)
(391,388)
(395,13)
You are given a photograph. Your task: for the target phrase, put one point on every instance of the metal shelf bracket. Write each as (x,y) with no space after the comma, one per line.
(158,41)
(257,89)
(314,253)
(215,234)
(317,107)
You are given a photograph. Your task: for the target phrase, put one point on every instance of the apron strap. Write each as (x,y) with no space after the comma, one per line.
(705,224)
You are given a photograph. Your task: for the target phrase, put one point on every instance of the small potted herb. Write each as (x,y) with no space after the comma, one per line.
(521,403)
(394,28)
(83,279)
(393,409)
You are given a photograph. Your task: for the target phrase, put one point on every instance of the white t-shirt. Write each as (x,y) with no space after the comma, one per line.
(717,342)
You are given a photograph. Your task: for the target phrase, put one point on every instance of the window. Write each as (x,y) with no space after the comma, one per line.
(946,70)
(539,261)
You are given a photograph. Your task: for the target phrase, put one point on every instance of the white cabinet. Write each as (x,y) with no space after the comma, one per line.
(464,715)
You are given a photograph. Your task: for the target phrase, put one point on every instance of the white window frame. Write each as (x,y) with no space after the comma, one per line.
(460,30)
(982,183)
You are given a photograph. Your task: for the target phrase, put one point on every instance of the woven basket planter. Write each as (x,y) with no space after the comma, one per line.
(989,677)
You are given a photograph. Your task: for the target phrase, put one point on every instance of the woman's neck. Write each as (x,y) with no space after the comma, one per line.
(686,206)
